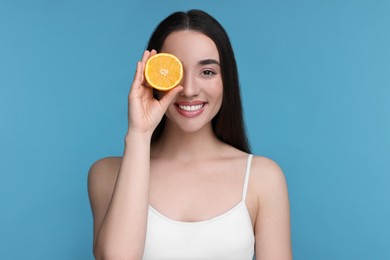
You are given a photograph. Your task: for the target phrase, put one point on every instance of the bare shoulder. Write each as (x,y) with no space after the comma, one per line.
(272,210)
(267,177)
(104,170)
(266,168)
(101,180)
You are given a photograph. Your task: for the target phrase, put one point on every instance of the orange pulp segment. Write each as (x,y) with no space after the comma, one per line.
(163,71)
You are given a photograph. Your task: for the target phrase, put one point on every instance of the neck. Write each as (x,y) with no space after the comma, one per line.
(187,146)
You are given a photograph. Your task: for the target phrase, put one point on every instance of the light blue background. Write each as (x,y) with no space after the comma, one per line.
(315,81)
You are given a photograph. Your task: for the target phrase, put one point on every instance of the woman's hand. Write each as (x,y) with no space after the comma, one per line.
(145,112)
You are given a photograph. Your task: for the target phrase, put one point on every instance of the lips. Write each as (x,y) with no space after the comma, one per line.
(190,109)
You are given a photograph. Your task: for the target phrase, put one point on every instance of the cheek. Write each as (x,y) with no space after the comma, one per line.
(217,93)
(171,110)
(220,100)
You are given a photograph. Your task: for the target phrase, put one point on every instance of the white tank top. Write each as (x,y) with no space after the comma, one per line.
(228,236)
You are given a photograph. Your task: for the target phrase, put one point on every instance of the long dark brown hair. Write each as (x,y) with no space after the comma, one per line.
(228,124)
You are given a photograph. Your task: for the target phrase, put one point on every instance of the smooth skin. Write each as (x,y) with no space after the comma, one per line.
(189,165)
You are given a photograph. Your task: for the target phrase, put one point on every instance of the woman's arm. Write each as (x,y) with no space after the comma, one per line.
(272,226)
(120,212)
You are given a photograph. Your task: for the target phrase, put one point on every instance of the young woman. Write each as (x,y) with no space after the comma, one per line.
(187,186)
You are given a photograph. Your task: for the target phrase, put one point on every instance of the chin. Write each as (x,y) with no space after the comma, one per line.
(192,128)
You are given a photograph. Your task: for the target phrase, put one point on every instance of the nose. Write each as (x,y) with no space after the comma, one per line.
(190,88)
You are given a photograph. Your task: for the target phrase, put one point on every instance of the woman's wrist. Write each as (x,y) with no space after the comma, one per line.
(136,136)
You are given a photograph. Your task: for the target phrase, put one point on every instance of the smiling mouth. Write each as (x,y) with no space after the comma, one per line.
(191,108)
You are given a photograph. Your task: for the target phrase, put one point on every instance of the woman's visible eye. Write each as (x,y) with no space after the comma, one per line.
(208,72)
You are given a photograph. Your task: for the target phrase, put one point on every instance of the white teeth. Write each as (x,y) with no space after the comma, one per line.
(190,108)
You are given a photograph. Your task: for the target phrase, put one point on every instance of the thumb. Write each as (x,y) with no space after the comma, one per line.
(168,98)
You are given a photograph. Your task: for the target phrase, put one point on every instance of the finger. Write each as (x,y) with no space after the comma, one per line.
(145,56)
(136,71)
(141,65)
(168,98)
(153,52)
(138,77)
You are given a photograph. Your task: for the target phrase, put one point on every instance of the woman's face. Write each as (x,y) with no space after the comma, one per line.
(201,98)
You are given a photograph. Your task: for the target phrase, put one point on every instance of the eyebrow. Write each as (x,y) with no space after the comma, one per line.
(208,61)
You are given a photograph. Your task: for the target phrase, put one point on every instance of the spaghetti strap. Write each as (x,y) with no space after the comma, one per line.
(247,172)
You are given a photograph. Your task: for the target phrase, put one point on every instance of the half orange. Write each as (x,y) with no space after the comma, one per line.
(163,71)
